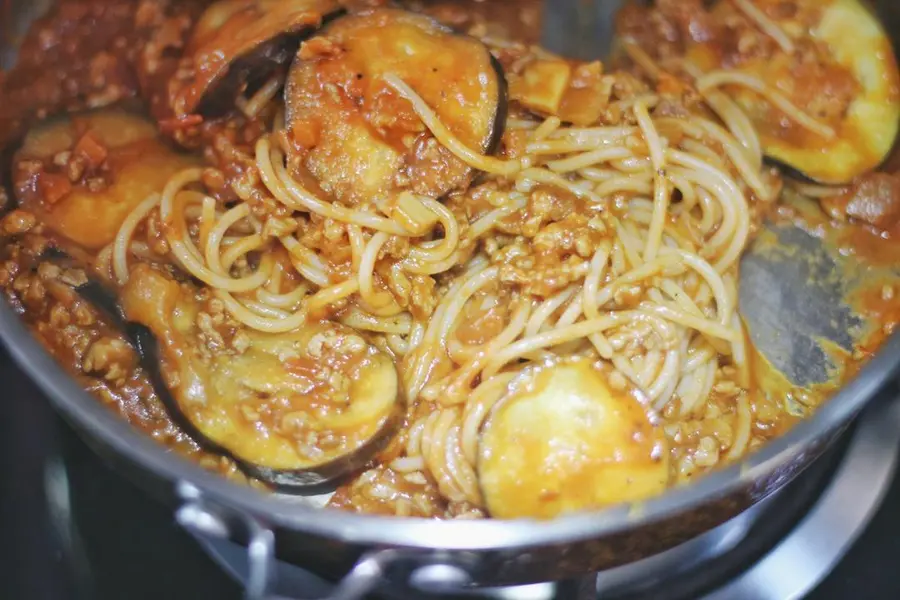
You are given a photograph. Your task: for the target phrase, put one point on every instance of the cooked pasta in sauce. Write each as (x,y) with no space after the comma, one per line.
(319,209)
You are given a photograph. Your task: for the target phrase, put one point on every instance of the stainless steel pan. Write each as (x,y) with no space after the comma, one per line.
(788,317)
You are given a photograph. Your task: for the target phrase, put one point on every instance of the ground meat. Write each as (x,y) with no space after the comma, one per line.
(79,337)
(518,19)
(165,25)
(873,199)
(651,28)
(17,222)
(77,56)
(109,358)
(383,491)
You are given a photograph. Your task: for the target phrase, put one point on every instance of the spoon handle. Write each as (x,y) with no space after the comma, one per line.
(580,29)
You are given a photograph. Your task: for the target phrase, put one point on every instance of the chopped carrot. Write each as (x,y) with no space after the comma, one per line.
(306,132)
(91,150)
(53,187)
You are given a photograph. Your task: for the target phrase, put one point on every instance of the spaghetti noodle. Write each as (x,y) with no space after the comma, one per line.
(607,228)
(643,274)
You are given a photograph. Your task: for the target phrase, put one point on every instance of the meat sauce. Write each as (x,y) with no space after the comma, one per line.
(95,53)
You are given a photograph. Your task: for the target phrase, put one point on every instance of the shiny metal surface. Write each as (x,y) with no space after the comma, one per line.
(792,568)
(654,570)
(582,29)
(495,552)
(798,564)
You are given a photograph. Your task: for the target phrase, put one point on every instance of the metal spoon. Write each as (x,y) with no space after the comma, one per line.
(580,29)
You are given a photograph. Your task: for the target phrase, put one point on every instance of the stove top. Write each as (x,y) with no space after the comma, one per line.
(74,529)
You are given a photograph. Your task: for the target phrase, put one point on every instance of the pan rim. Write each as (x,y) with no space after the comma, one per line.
(78,406)
(90,415)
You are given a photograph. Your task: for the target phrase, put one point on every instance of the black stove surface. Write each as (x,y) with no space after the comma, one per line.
(115,542)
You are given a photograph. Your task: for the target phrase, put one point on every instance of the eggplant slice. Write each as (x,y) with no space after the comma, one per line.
(848,82)
(563,440)
(298,411)
(236,45)
(360,140)
(83,174)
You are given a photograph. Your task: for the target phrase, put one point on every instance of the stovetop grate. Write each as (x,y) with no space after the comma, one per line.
(790,541)
(123,544)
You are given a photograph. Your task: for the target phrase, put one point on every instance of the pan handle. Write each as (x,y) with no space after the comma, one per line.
(424,570)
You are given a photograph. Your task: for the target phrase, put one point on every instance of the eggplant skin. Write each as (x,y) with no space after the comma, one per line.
(562,440)
(311,480)
(845,77)
(498,127)
(298,411)
(358,138)
(236,45)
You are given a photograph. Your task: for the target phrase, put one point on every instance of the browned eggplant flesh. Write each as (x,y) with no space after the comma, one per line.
(358,137)
(563,439)
(297,411)
(83,174)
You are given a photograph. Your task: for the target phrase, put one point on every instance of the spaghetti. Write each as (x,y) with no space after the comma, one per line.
(647,282)
(504,281)
(617,241)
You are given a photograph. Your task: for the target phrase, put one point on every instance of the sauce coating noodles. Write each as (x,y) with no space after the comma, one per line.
(602,238)
(643,273)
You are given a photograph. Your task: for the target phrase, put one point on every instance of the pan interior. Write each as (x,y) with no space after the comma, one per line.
(802,295)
